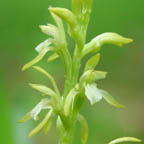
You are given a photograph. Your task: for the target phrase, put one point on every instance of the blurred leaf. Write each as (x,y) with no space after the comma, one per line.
(125,139)
(6,135)
(84,129)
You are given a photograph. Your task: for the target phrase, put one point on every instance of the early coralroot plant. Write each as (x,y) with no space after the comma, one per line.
(66,106)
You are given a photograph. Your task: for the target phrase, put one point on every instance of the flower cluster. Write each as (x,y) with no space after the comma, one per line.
(66,106)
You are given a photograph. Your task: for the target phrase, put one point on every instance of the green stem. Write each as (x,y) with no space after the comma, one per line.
(77,59)
(65,133)
(76,66)
(66,57)
(67,137)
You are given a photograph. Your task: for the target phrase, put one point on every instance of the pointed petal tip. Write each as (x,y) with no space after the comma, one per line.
(55,10)
(43,28)
(139,140)
(128,40)
(121,106)
(25,118)
(31,134)
(125,41)
(19,121)
(30,84)
(105,73)
(51,9)
(24,68)
(40,26)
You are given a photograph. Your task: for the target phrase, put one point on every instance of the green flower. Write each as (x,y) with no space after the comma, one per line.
(43,104)
(42,49)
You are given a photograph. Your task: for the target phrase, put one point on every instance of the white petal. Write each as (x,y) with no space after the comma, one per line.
(42,46)
(93,94)
(43,104)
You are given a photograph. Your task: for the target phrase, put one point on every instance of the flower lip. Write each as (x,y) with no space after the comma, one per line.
(93,94)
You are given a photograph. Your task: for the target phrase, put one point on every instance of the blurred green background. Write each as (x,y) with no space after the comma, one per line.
(19,34)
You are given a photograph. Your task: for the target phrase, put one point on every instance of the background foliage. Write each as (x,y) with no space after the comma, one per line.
(19,34)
